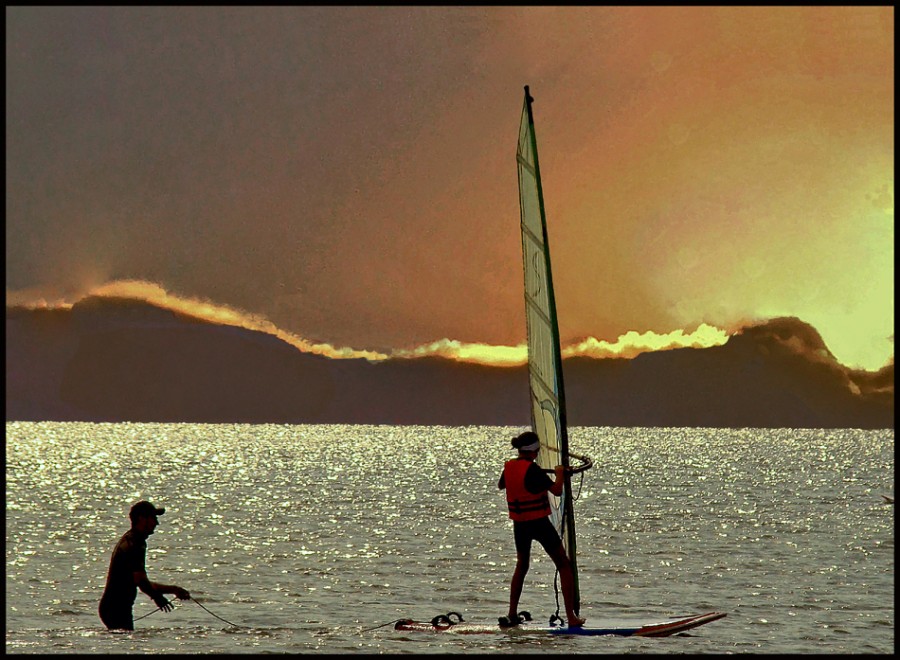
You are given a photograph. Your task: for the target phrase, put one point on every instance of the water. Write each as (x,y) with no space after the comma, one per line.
(307,536)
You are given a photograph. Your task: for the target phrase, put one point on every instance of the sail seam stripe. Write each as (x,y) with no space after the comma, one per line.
(549,391)
(534,237)
(524,163)
(540,312)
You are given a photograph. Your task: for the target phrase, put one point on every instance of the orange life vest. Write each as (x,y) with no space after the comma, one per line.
(523,505)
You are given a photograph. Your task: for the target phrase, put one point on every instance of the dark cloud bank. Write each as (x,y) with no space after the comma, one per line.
(108,360)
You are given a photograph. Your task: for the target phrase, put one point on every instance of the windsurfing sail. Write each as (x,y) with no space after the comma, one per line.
(548,416)
(548,399)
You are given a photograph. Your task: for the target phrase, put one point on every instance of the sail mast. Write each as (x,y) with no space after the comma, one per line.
(548,410)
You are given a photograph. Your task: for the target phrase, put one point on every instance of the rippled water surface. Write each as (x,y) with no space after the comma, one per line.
(308,537)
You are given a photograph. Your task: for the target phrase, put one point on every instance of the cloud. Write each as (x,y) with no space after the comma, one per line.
(628,345)
(633,343)
(200,309)
(468,352)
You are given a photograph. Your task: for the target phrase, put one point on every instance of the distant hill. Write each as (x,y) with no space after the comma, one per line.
(122,360)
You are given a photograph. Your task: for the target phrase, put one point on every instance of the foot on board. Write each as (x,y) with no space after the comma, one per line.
(575,622)
(509,621)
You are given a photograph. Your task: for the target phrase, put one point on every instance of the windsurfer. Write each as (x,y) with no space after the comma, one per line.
(127,572)
(529,507)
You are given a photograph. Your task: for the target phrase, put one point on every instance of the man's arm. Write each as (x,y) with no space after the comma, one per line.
(156,590)
(178,592)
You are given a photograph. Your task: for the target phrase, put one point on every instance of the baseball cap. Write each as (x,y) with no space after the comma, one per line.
(145,508)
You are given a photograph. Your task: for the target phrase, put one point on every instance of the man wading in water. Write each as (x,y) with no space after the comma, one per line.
(127,572)
(529,507)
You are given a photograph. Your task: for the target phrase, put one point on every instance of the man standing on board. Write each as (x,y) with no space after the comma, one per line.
(127,572)
(526,487)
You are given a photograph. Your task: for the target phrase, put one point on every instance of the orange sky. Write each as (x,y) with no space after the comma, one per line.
(348,173)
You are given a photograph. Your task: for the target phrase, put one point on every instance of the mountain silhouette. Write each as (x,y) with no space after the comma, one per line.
(113,360)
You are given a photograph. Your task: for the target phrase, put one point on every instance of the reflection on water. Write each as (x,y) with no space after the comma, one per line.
(308,535)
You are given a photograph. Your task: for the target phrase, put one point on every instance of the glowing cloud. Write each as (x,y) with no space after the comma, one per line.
(203,310)
(628,345)
(633,343)
(32,299)
(509,356)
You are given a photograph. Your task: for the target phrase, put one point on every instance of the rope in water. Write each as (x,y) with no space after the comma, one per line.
(217,616)
(389,623)
(441,621)
(202,606)
(148,614)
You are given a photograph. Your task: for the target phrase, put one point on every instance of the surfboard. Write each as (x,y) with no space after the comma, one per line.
(629,627)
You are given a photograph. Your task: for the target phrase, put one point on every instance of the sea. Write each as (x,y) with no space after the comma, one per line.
(316,539)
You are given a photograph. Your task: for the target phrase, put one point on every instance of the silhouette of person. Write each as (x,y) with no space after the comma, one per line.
(127,572)
(526,487)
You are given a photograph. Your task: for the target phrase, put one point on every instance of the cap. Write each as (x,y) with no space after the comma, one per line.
(145,508)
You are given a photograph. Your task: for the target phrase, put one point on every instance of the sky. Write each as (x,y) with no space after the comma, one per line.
(347,174)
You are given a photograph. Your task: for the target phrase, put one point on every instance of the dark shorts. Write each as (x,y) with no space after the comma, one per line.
(540,530)
(116,617)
